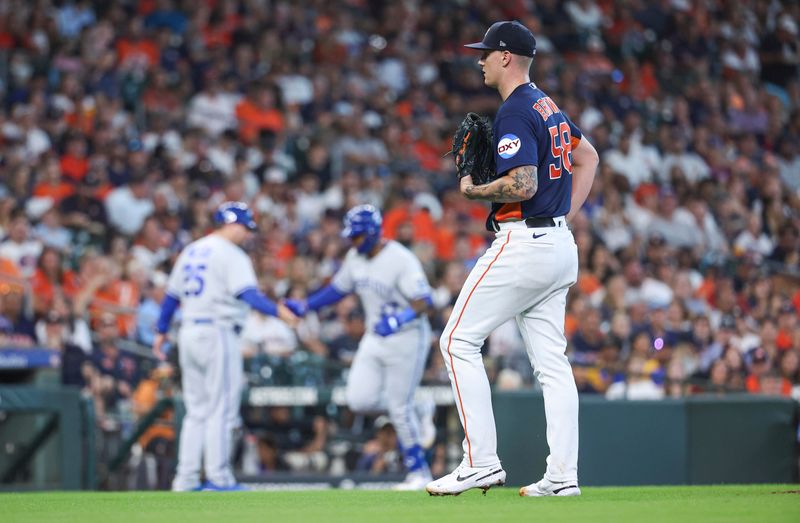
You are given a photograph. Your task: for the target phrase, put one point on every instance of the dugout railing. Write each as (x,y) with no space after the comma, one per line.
(48,439)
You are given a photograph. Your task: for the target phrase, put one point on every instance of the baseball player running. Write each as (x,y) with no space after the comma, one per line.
(544,171)
(391,356)
(213,281)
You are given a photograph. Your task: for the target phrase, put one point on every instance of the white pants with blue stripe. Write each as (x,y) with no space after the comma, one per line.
(211,378)
(385,374)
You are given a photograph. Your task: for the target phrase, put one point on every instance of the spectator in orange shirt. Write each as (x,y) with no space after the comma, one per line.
(134,50)
(758,379)
(405,211)
(259,111)
(575,310)
(74,163)
(49,277)
(105,292)
(160,99)
(789,365)
(52,184)
(796,300)
(787,323)
(429,147)
(11,279)
(456,233)
(639,81)
(222,22)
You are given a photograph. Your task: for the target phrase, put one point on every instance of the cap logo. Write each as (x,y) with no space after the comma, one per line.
(502,43)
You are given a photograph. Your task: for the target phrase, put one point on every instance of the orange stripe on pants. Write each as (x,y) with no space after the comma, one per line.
(450,340)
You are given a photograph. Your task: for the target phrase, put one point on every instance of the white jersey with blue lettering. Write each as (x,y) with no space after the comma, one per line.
(387,370)
(385,283)
(207,278)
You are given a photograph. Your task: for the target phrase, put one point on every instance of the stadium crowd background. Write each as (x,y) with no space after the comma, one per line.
(124,124)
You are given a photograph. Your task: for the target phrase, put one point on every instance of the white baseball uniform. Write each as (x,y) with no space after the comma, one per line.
(386,371)
(206,278)
(525,274)
(527,279)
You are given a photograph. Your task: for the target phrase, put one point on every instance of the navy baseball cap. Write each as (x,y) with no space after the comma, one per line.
(508,36)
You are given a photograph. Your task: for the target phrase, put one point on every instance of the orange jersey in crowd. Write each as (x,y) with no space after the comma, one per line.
(73,167)
(145,51)
(120,298)
(253,119)
(44,289)
(421,221)
(11,279)
(56,192)
(445,243)
(753,384)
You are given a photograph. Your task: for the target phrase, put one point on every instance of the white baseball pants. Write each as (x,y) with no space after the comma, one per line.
(211,378)
(385,374)
(525,274)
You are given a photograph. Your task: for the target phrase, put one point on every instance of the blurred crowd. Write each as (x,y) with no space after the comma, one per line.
(125,123)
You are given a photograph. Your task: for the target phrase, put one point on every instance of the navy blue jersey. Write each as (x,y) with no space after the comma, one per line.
(530,129)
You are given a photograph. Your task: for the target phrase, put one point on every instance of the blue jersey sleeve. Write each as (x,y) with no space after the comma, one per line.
(573,131)
(515,143)
(168,307)
(258,301)
(327,295)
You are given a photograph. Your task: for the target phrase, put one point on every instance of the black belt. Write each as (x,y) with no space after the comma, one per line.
(539,221)
(532,222)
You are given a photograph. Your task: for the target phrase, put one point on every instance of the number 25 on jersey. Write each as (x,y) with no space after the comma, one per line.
(193,279)
(561,147)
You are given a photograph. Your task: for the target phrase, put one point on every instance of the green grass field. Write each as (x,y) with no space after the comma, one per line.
(635,504)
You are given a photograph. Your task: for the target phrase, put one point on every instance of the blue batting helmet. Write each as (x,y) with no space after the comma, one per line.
(235,212)
(363,220)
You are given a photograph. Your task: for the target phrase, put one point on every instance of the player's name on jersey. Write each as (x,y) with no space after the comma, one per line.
(307,396)
(546,107)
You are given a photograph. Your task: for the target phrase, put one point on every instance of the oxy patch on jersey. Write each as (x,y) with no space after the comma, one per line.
(508,146)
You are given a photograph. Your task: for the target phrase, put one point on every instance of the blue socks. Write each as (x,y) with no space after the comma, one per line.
(414,458)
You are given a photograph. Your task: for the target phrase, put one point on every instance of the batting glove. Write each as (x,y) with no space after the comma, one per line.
(387,325)
(298,307)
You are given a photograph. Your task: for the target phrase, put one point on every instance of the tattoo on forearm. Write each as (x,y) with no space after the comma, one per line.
(519,185)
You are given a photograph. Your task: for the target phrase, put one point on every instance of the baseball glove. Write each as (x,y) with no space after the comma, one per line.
(473,145)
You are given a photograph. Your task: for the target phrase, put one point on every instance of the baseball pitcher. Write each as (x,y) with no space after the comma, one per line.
(543,170)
